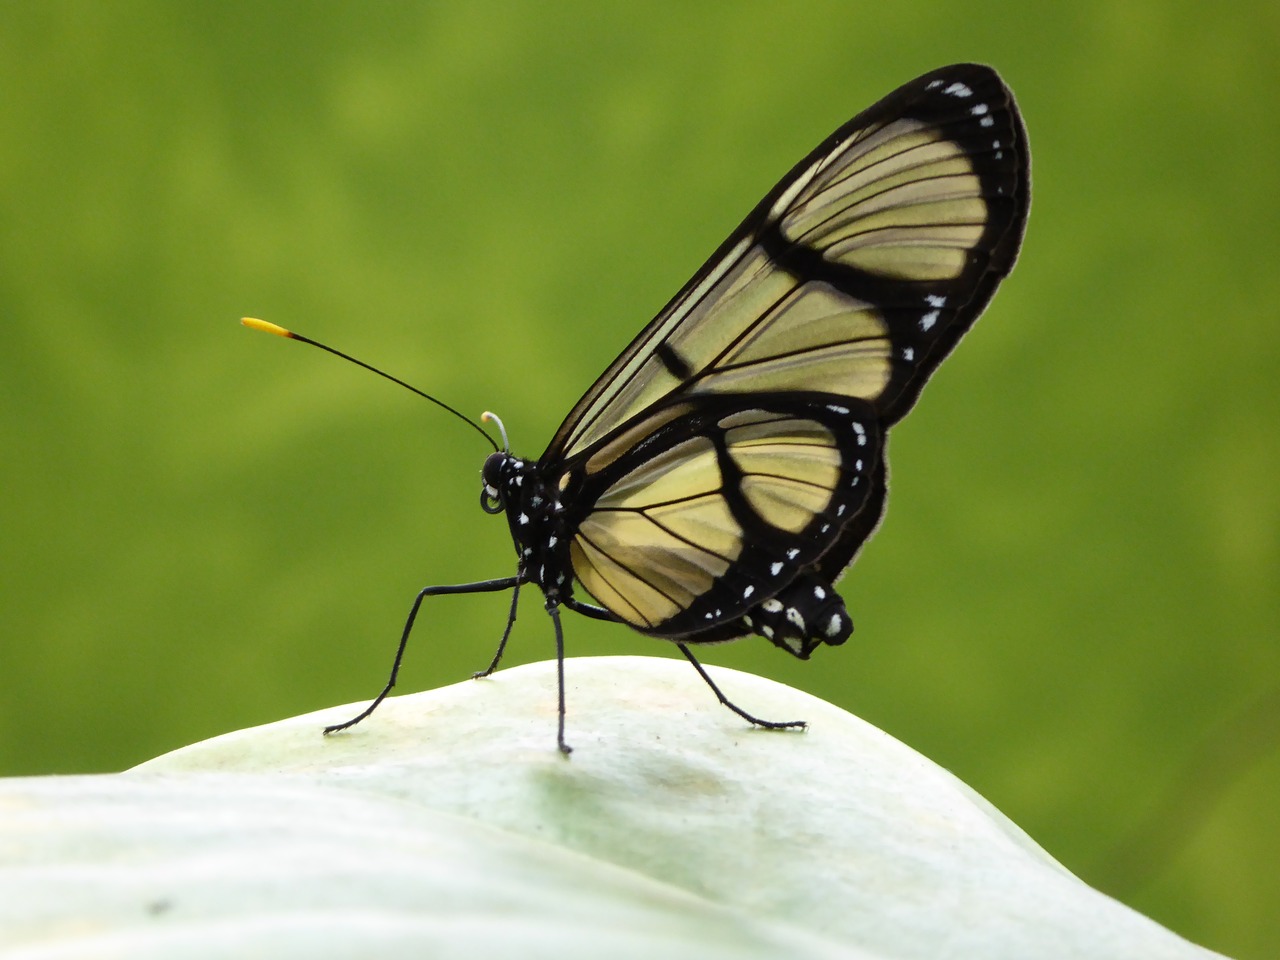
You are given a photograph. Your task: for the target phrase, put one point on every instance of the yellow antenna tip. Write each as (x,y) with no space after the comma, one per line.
(266,327)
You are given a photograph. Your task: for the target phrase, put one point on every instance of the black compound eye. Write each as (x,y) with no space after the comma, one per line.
(491,472)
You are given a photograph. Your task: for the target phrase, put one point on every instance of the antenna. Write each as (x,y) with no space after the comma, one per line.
(487,417)
(279,331)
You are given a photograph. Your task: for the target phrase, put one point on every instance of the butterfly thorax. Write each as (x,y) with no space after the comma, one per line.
(536,517)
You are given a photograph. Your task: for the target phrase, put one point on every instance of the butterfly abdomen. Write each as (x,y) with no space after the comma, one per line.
(804,615)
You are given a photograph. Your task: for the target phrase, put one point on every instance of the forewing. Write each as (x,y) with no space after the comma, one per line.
(856,274)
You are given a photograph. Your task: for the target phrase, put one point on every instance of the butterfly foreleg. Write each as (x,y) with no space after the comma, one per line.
(482,586)
(767,724)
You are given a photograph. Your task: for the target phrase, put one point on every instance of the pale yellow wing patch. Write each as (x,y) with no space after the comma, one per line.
(664,534)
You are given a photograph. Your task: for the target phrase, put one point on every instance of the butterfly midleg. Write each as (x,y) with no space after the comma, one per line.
(553,608)
(481,586)
(767,724)
(506,634)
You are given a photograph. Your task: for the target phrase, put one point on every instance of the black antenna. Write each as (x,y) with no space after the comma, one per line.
(290,335)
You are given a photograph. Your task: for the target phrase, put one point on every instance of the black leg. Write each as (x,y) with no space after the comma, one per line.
(767,724)
(554,610)
(595,613)
(502,644)
(482,586)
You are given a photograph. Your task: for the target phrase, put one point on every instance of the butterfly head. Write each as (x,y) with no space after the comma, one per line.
(494,476)
(497,471)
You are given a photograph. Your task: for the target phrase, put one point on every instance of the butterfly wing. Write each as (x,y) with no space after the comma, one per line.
(830,306)
(714,506)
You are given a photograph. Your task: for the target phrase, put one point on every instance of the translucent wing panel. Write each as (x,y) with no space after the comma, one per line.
(745,283)
(649,559)
(789,505)
(814,338)
(687,469)
(903,201)
(789,469)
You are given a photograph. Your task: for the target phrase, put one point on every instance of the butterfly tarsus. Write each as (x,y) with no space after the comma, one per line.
(756,721)
(480,586)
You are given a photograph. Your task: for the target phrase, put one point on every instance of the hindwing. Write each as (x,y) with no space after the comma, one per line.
(714,506)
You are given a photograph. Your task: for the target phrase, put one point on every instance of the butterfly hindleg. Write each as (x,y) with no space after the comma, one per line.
(599,613)
(767,724)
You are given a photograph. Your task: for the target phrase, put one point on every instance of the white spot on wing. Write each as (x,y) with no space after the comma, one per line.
(776,567)
(958,90)
(928,320)
(934,300)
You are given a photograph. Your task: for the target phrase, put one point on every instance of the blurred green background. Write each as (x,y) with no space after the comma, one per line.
(1074,601)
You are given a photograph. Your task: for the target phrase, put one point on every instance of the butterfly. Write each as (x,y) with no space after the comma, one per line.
(726,469)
